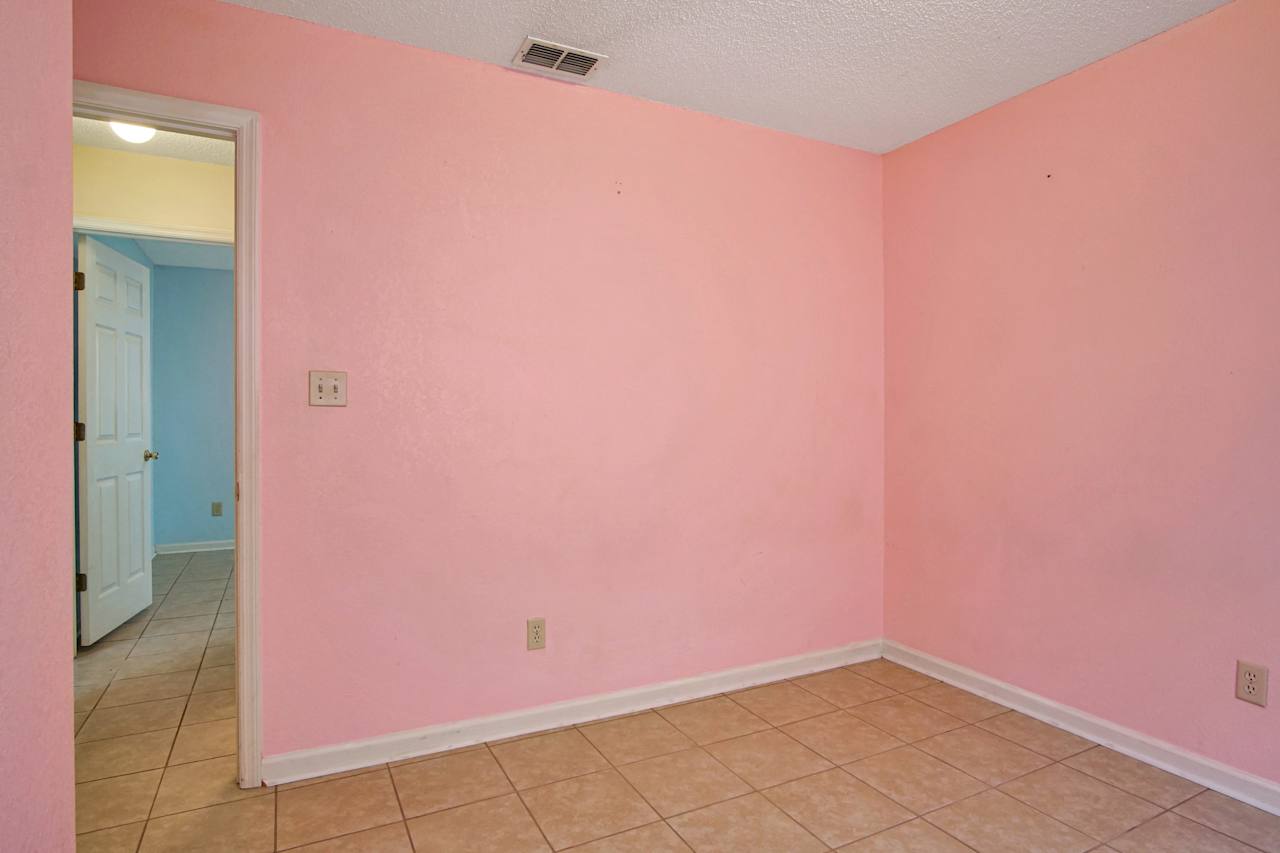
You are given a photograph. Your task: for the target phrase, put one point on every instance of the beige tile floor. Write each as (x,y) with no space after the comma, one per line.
(155,710)
(870,758)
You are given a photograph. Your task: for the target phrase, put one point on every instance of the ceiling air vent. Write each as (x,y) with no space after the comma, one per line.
(557,59)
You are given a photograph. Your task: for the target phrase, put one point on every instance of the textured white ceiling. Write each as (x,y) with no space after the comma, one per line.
(871,74)
(183,146)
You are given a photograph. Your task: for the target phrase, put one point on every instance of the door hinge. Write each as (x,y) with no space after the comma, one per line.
(82,582)
(79,431)
(77,281)
(237,490)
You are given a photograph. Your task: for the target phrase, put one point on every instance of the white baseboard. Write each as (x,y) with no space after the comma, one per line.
(184,547)
(1243,786)
(306,763)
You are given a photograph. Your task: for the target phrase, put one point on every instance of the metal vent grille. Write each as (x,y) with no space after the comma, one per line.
(558,59)
(540,54)
(577,63)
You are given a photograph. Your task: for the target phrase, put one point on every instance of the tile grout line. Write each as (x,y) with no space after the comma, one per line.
(1134,794)
(987,788)
(912,744)
(1062,761)
(617,767)
(752,788)
(165,770)
(115,677)
(1139,826)
(1101,843)
(1052,762)
(352,834)
(489,749)
(1173,811)
(965,724)
(256,796)
(98,702)
(765,793)
(395,789)
(771,726)
(912,820)
(516,792)
(583,844)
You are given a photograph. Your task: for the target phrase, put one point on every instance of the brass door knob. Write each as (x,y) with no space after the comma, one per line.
(148,455)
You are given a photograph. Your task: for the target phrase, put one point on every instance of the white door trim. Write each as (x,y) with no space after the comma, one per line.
(121,228)
(108,102)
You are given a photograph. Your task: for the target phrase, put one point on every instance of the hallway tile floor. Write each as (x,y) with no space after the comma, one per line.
(869,758)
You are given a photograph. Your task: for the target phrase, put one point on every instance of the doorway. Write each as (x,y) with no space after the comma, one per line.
(154,368)
(146,589)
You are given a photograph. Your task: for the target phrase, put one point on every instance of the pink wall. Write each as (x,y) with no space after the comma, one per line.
(1083,387)
(36,632)
(612,363)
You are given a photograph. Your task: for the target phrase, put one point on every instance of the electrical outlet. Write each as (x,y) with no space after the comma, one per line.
(1251,683)
(536,633)
(216,511)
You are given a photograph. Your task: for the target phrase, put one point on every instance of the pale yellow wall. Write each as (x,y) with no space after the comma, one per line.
(142,190)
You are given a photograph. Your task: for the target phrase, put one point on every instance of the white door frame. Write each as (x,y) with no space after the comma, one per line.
(242,126)
(120,228)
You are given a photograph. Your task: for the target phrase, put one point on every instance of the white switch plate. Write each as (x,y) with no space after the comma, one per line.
(328,387)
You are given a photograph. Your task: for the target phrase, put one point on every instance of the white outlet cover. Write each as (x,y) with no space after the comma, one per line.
(328,387)
(536,633)
(1251,683)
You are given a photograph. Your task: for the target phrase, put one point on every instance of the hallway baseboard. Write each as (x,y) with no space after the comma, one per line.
(1222,778)
(184,547)
(306,763)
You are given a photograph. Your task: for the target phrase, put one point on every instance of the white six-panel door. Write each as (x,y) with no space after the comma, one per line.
(115,407)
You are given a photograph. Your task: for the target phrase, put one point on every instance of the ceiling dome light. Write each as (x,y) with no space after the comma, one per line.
(135,133)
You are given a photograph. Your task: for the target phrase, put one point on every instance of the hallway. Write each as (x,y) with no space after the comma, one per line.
(156,706)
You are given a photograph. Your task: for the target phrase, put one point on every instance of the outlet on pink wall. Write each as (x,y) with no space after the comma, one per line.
(1083,387)
(624,372)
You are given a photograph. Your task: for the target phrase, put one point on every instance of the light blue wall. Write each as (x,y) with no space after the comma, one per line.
(125,246)
(193,403)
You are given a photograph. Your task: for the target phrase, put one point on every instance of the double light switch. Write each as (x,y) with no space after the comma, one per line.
(328,387)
